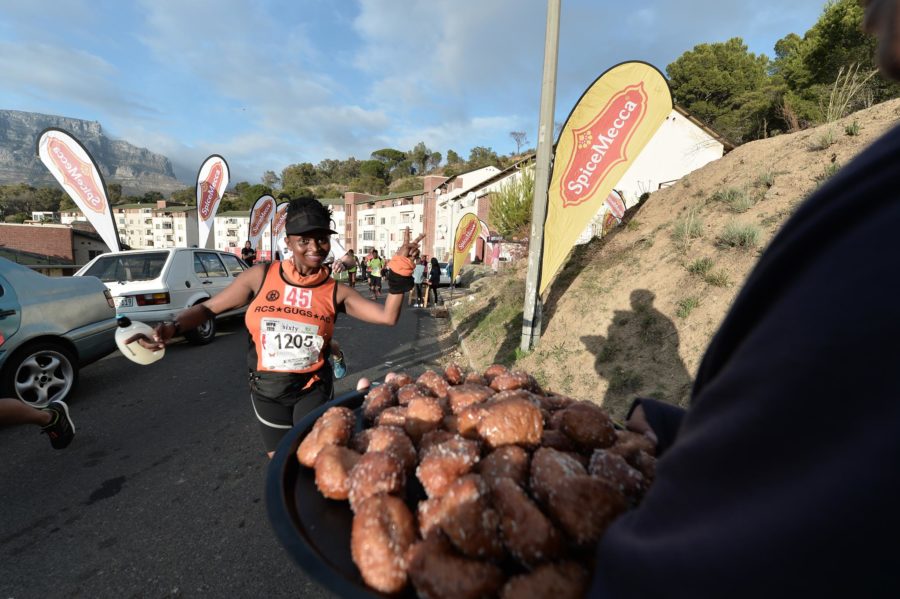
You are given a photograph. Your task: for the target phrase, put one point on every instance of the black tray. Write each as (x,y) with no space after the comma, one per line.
(315,530)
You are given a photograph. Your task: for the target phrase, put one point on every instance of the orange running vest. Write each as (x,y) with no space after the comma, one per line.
(291,325)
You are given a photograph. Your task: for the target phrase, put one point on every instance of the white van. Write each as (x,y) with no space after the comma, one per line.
(154,285)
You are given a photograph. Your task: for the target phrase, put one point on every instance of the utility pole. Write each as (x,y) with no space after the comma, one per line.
(531,322)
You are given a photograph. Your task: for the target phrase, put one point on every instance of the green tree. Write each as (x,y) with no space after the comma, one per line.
(186,196)
(713,80)
(249,195)
(151,197)
(407,184)
(423,159)
(453,158)
(374,169)
(479,157)
(114,190)
(297,176)
(510,210)
(270,179)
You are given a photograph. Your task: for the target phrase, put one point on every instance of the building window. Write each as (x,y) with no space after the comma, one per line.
(382,220)
(369,235)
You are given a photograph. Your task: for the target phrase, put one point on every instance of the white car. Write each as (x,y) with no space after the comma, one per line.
(153,285)
(445,275)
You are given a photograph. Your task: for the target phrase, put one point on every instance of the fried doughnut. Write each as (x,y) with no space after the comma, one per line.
(378,399)
(333,465)
(467,421)
(548,467)
(375,472)
(581,504)
(557,440)
(423,414)
(398,378)
(553,401)
(645,463)
(508,381)
(494,370)
(394,441)
(441,464)
(432,438)
(474,378)
(408,392)
(511,421)
(393,416)
(334,427)
(430,514)
(469,521)
(360,441)
(563,580)
(439,573)
(465,395)
(383,530)
(434,383)
(617,472)
(527,533)
(588,425)
(453,373)
(509,461)
(628,442)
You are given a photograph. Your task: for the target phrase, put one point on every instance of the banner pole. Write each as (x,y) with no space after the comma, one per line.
(531,325)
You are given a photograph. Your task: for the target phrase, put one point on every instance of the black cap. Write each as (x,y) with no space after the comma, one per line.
(304,219)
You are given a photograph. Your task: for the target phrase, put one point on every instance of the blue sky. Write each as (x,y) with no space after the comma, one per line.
(268,83)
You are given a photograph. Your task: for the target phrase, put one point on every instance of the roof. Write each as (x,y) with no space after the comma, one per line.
(729,145)
(391,196)
(511,169)
(244,213)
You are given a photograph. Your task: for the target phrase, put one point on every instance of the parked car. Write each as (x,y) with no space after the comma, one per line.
(50,327)
(151,286)
(445,275)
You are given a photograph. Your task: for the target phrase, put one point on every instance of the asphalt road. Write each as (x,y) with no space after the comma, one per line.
(161,494)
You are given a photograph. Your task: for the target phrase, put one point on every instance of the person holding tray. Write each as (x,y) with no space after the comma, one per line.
(291,313)
(777,482)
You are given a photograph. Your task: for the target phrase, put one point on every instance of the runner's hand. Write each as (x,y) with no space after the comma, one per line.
(408,246)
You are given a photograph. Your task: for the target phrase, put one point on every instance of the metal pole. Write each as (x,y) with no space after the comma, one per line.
(531,328)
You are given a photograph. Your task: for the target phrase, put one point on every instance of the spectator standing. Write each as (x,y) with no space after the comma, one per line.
(248,254)
(434,279)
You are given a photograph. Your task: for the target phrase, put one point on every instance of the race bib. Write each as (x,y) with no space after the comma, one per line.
(286,345)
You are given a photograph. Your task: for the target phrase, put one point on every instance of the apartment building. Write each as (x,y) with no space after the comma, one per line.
(378,222)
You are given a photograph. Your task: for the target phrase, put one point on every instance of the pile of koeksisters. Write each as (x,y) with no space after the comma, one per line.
(519,484)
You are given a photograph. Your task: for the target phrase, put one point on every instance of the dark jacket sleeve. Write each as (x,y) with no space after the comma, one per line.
(783,479)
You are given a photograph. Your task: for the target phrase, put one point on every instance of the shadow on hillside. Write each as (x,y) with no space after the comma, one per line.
(506,343)
(639,355)
(578,259)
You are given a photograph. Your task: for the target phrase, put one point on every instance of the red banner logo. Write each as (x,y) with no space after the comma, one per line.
(601,145)
(280,219)
(209,191)
(260,218)
(616,205)
(78,175)
(465,238)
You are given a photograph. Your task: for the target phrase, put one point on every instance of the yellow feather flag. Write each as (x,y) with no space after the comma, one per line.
(607,129)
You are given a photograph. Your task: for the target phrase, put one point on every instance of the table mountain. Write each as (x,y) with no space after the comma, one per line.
(138,170)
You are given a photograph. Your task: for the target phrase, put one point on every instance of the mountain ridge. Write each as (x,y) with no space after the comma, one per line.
(137,170)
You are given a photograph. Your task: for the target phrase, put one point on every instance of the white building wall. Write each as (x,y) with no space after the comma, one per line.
(677,148)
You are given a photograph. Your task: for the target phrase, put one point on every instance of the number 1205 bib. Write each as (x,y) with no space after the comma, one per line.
(286,345)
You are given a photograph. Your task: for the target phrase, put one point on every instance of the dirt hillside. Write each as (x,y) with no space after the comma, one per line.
(632,313)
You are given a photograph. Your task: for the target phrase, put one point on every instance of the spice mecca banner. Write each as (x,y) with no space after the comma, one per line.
(278,234)
(70,164)
(212,179)
(467,231)
(605,132)
(261,216)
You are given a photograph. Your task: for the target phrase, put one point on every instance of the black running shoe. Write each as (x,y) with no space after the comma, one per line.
(61,429)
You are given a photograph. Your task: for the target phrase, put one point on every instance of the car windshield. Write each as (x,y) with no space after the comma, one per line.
(128,267)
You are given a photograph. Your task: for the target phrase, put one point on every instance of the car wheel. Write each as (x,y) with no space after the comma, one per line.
(40,373)
(202,335)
